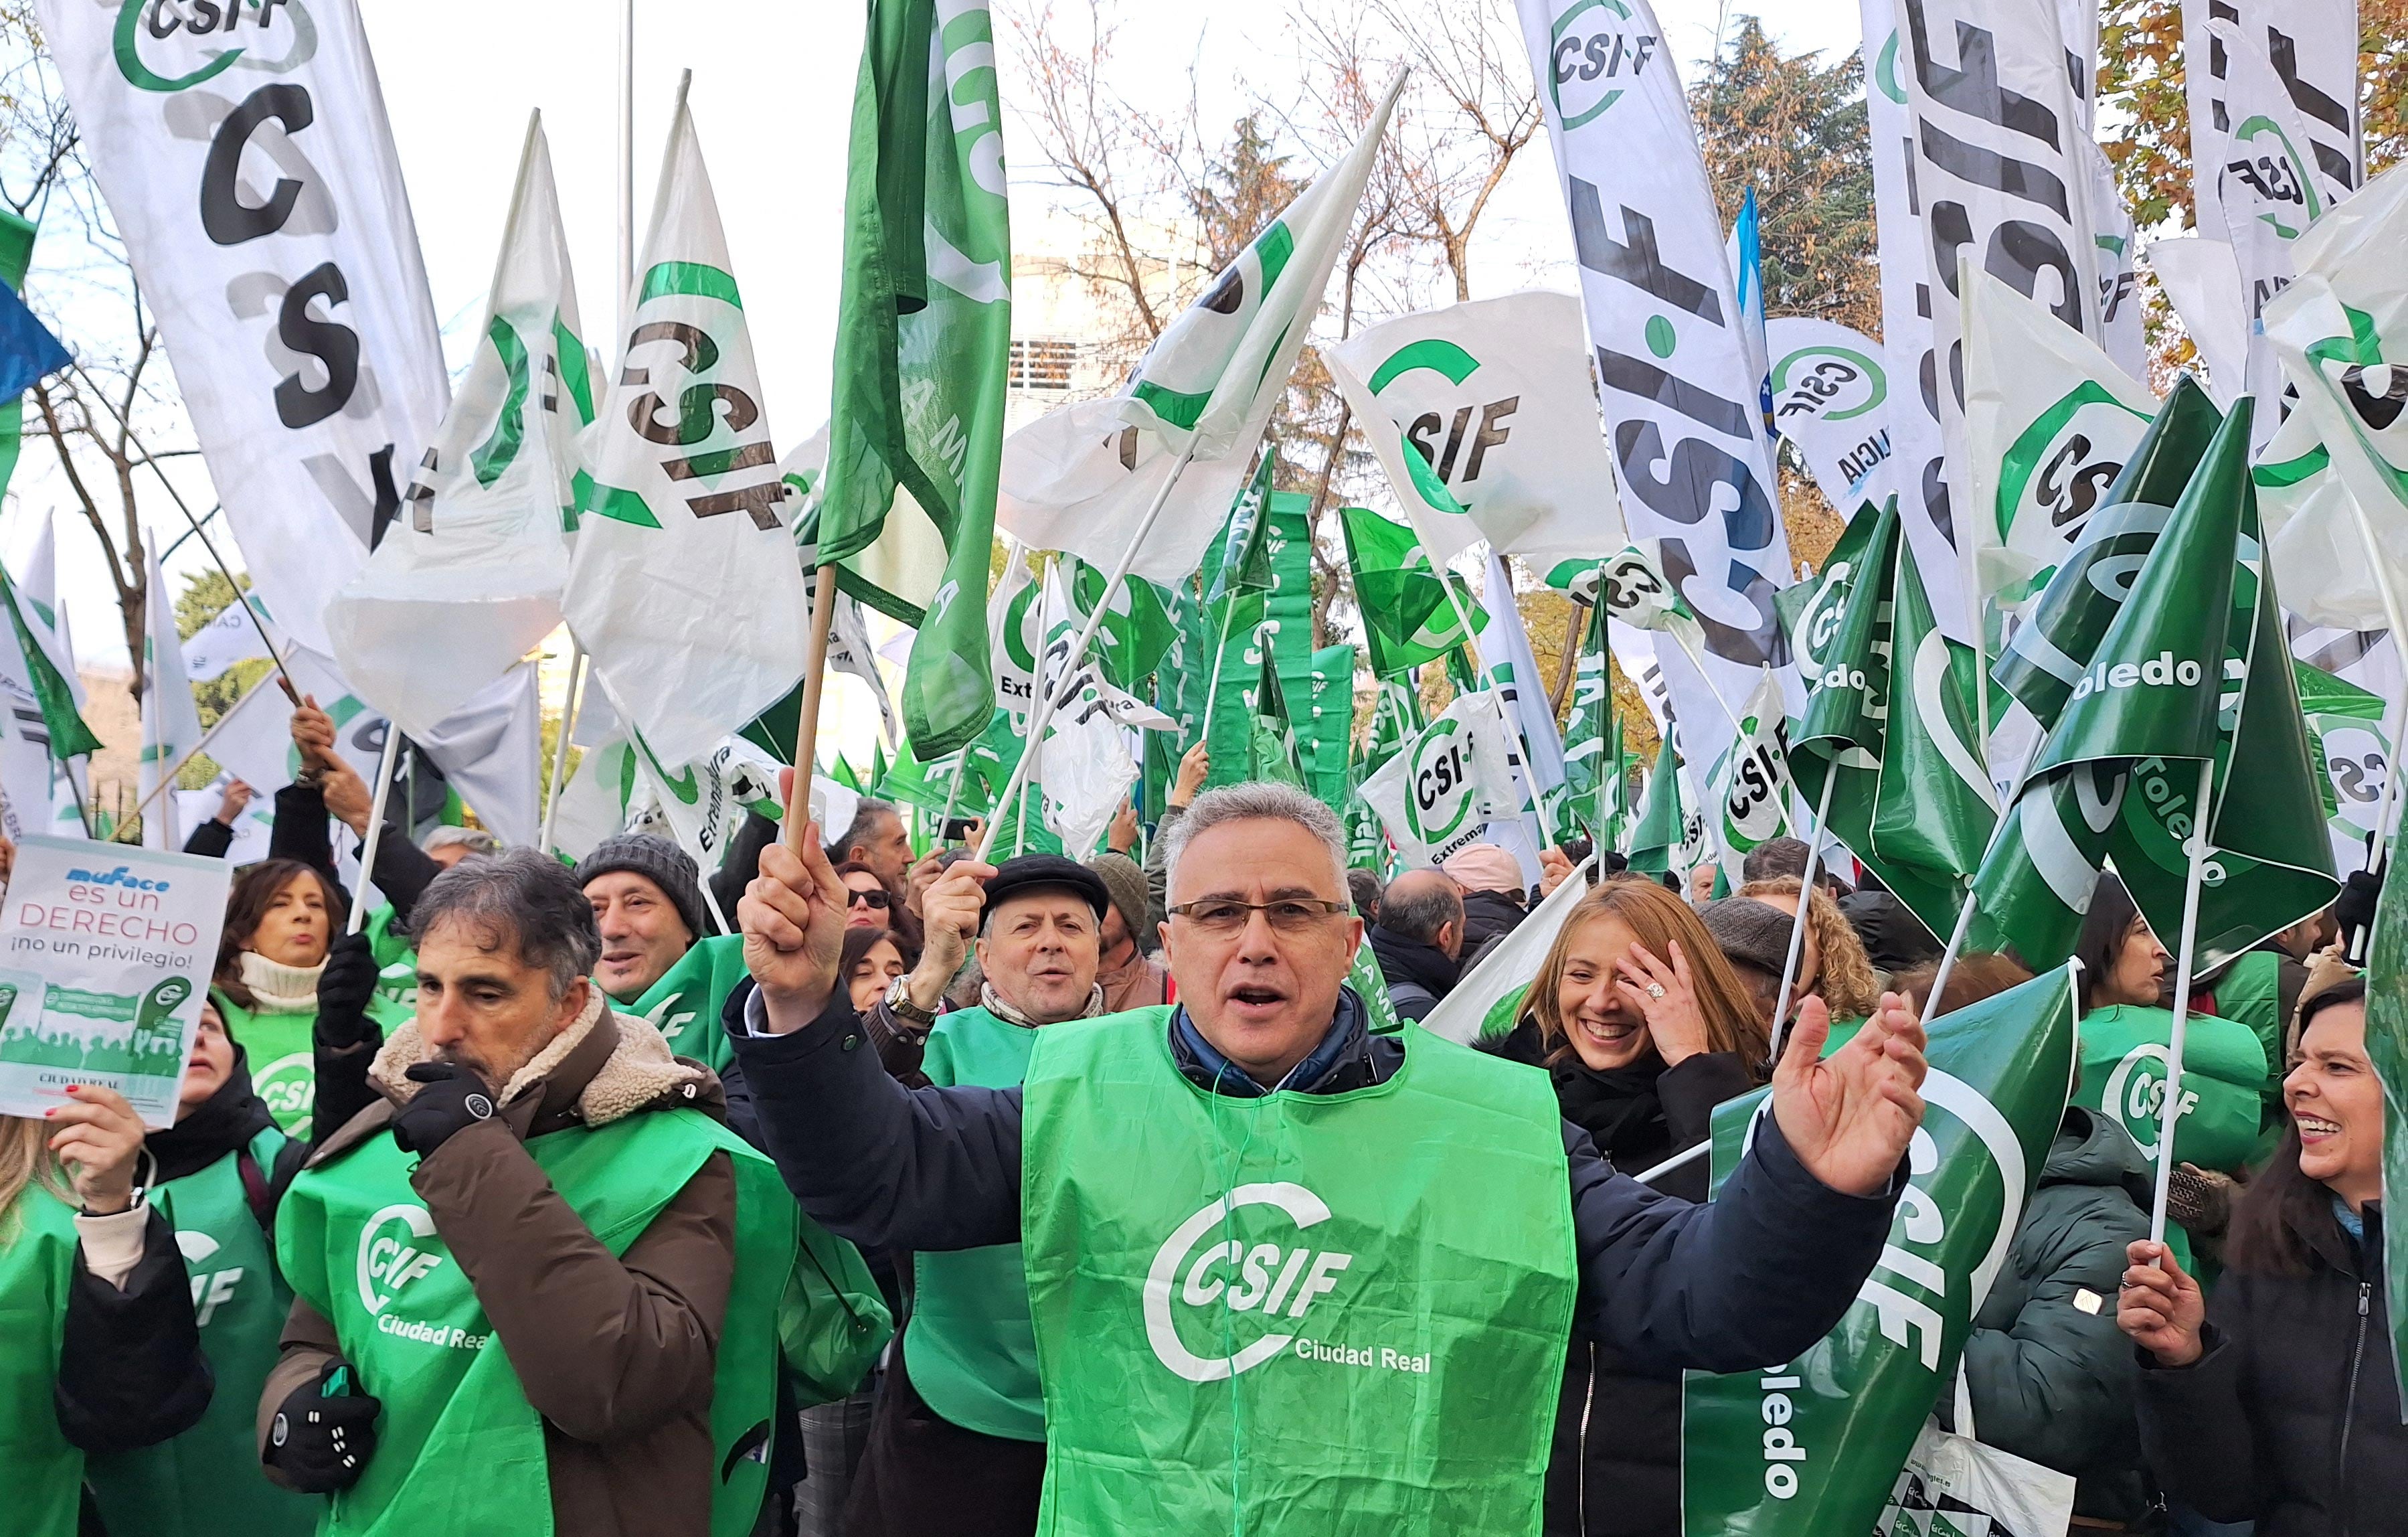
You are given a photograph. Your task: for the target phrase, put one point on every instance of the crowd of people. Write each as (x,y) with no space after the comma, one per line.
(930,1195)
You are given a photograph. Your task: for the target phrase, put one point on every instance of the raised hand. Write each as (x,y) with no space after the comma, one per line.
(1849,1116)
(1194,766)
(952,906)
(99,1138)
(2160,1307)
(1665,994)
(792,918)
(313,733)
(230,805)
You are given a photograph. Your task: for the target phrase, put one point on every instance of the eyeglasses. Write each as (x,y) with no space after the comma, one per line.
(1287,915)
(873,897)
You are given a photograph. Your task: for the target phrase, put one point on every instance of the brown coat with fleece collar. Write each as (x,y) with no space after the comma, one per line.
(616,1353)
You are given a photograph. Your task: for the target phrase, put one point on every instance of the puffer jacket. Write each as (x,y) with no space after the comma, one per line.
(2051,1374)
(2291,1417)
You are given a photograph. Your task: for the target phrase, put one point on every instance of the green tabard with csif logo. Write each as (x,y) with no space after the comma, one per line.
(208,1482)
(1383,1280)
(358,1245)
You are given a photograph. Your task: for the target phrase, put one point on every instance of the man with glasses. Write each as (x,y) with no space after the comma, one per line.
(1286,1274)
(961,1426)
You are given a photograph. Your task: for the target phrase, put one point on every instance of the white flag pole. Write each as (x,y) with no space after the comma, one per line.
(1798,923)
(626,163)
(1043,716)
(1678,1160)
(2172,1107)
(568,705)
(1533,829)
(2377,856)
(376,827)
(1213,690)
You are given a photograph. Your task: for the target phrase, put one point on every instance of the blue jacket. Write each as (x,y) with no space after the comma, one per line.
(1751,1280)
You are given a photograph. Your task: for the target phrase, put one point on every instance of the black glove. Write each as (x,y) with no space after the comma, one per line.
(324,1433)
(2354,909)
(453,1100)
(344,989)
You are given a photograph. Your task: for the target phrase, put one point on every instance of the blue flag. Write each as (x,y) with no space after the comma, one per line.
(28,351)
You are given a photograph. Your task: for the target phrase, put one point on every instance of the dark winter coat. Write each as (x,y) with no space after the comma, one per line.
(1616,1467)
(2291,1417)
(1488,915)
(1418,974)
(2052,1376)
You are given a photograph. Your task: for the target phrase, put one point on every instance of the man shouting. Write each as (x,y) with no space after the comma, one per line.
(1284,1271)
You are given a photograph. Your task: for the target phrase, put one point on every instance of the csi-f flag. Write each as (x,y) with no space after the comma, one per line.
(1443,790)
(468,580)
(685,589)
(2050,421)
(2045,658)
(1813,1445)
(1273,738)
(248,167)
(1082,478)
(1749,786)
(923,336)
(1485,419)
(1084,765)
(1245,553)
(1679,385)
(1408,619)
(2342,332)
(1830,397)
(2193,668)
(1515,669)
(1670,836)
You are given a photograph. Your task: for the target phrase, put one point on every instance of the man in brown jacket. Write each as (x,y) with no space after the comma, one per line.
(525,1274)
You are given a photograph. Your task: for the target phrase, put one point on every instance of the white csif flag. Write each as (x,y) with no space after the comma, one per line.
(468,579)
(171,724)
(1080,480)
(248,164)
(1085,768)
(1483,417)
(1831,395)
(685,589)
(1678,389)
(1521,687)
(2049,418)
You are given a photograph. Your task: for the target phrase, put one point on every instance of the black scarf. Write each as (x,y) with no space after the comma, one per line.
(1618,1108)
(1404,959)
(219,1124)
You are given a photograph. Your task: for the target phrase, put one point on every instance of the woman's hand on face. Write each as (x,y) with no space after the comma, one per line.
(99,1138)
(1664,993)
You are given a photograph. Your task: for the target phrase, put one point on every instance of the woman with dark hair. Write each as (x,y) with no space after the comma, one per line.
(2277,1400)
(872,958)
(2124,1039)
(280,919)
(1644,1028)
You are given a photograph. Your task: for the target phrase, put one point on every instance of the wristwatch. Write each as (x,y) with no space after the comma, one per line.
(898,1001)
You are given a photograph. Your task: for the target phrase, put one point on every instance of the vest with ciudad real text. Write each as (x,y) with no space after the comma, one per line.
(1299,1314)
(460,1450)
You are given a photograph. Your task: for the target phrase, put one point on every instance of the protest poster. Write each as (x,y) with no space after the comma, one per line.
(105,951)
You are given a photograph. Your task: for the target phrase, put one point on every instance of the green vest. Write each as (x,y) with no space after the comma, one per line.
(37,1249)
(283,1058)
(969,1345)
(1413,1240)
(206,1482)
(459,1449)
(396,961)
(2251,991)
(2224,1068)
(685,1004)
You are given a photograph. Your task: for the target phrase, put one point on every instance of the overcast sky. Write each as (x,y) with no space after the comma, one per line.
(771,97)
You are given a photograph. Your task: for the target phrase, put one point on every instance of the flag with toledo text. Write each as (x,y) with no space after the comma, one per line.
(685,590)
(906,509)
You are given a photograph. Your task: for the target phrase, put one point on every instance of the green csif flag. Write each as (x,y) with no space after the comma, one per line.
(2193,668)
(1245,563)
(1597,761)
(2043,662)
(1815,1445)
(1407,619)
(70,737)
(1671,834)
(1273,740)
(924,337)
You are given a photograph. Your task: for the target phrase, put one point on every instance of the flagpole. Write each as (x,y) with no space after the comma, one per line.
(807,728)
(198,748)
(568,703)
(1565,673)
(1043,716)
(283,677)
(376,826)
(1798,923)
(1213,690)
(2173,1106)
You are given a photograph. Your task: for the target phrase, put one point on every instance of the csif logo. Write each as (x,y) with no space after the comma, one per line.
(1593,56)
(1270,1279)
(1439,788)
(174,45)
(2159,671)
(392,1253)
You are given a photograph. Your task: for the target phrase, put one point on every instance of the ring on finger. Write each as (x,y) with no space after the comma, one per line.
(1654,989)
